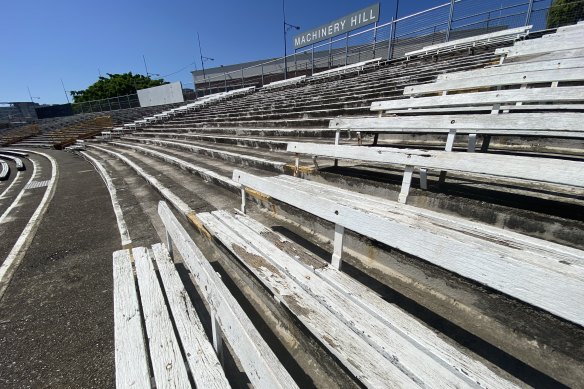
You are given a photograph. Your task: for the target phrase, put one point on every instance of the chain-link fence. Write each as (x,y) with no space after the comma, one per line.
(452,20)
(111,104)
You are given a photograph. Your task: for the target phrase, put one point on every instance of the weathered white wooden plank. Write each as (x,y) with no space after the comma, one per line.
(131,359)
(560,75)
(546,56)
(345,68)
(544,124)
(204,173)
(289,81)
(413,341)
(534,95)
(370,367)
(510,34)
(557,290)
(540,47)
(259,362)
(549,170)
(167,361)
(204,365)
(4,170)
(518,67)
(538,251)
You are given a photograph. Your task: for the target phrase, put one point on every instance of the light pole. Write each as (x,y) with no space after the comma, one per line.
(287,26)
(64,90)
(31,96)
(203,59)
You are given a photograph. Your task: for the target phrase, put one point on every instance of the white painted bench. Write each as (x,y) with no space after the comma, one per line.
(470,42)
(539,46)
(4,170)
(494,104)
(540,273)
(359,66)
(287,82)
(229,321)
(381,345)
(165,356)
(17,161)
(530,169)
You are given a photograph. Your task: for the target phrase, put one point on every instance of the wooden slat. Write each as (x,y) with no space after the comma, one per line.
(398,323)
(167,361)
(543,124)
(534,95)
(345,68)
(547,170)
(569,63)
(259,362)
(130,350)
(544,76)
(538,57)
(540,47)
(203,362)
(464,42)
(359,357)
(557,289)
(4,170)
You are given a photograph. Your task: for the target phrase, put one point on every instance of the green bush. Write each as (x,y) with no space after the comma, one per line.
(564,12)
(115,85)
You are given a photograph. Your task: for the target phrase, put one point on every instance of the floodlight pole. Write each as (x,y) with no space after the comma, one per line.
(64,90)
(287,26)
(203,59)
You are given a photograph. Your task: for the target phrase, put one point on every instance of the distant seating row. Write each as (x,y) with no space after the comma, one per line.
(471,42)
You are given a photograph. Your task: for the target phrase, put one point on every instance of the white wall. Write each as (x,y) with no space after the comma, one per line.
(163,94)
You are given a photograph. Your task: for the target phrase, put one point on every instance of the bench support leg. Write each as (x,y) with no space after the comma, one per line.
(296,165)
(472,143)
(423,179)
(359,139)
(375,139)
(314,160)
(217,340)
(486,143)
(449,146)
(169,245)
(406,183)
(337,141)
(243,200)
(338,247)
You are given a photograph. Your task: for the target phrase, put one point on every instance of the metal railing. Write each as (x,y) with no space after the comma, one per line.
(111,104)
(449,21)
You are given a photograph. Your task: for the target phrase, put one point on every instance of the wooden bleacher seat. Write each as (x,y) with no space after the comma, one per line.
(229,321)
(540,273)
(381,345)
(528,169)
(470,42)
(17,161)
(355,67)
(4,170)
(286,82)
(165,354)
(498,104)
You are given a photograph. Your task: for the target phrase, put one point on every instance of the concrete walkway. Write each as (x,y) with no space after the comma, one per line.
(56,317)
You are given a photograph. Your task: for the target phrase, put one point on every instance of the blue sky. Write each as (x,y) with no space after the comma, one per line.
(46,41)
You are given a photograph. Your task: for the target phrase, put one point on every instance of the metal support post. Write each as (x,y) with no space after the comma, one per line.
(338,247)
(330,59)
(346,49)
(374,38)
(312,60)
(529,11)
(390,40)
(450,14)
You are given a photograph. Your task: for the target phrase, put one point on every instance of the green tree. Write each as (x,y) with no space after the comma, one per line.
(564,12)
(115,85)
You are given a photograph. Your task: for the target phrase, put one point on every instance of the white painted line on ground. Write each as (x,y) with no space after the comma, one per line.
(122,227)
(17,199)
(17,253)
(11,184)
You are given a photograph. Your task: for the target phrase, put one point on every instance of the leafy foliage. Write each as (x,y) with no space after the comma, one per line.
(115,85)
(564,12)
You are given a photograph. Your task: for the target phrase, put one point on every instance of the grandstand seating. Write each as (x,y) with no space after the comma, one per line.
(531,97)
